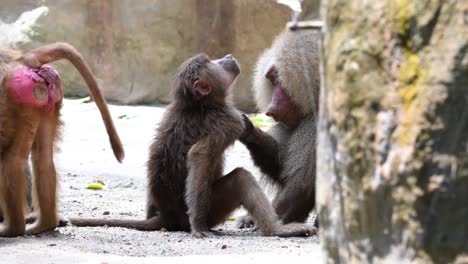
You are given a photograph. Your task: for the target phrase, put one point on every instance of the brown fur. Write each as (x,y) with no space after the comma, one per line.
(31,131)
(286,155)
(187,188)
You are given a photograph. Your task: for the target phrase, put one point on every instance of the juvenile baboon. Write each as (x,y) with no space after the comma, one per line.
(286,85)
(30,102)
(187,189)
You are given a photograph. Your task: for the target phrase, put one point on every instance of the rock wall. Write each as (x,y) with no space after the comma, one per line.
(135,47)
(392,162)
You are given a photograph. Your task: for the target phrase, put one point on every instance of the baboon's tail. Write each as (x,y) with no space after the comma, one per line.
(151,224)
(53,52)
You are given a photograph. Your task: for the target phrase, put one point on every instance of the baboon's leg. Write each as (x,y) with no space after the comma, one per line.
(294,202)
(14,197)
(13,178)
(239,187)
(45,176)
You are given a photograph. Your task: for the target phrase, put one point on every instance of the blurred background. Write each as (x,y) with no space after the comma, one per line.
(135,47)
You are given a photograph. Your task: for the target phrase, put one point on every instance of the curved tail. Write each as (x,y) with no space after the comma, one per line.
(151,224)
(53,52)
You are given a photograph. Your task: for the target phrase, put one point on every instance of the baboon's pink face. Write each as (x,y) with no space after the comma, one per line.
(281,107)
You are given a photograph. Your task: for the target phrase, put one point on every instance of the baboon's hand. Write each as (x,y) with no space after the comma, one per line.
(247,135)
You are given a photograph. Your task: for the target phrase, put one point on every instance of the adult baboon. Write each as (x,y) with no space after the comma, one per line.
(286,85)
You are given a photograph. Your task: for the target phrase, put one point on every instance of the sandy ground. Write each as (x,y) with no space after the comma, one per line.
(86,156)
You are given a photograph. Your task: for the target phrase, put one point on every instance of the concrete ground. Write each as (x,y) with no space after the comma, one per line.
(86,156)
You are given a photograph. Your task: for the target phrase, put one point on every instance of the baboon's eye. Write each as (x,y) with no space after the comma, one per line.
(272,75)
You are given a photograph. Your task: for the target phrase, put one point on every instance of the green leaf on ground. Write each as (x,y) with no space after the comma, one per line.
(96,185)
(86,100)
(123,117)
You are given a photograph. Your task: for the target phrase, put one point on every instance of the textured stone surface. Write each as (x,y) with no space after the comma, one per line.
(393,137)
(135,48)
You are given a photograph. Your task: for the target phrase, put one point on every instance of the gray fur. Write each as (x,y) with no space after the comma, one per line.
(287,156)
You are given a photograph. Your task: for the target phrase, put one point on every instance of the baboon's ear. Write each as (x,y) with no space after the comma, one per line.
(202,87)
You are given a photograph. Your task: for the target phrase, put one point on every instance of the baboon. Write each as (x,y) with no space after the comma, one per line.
(186,187)
(286,85)
(30,101)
